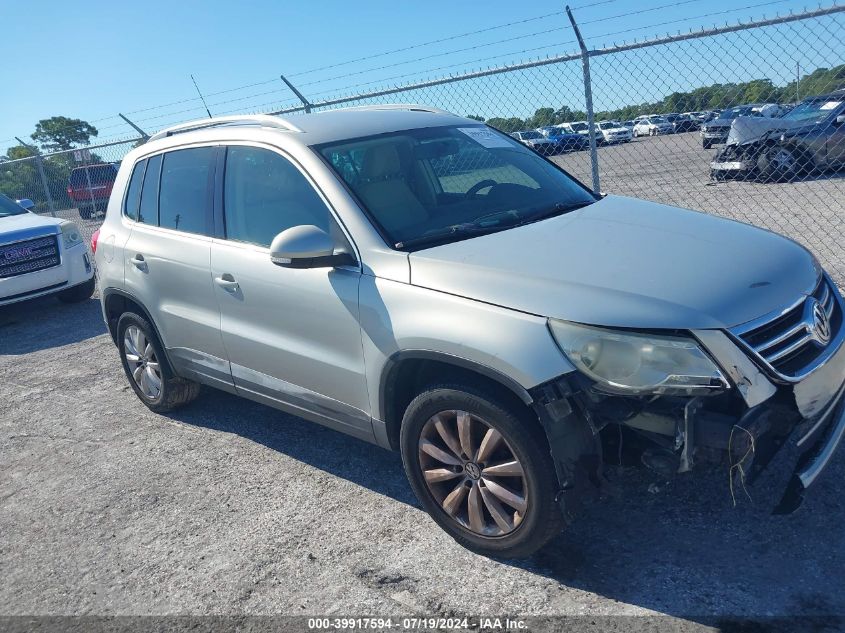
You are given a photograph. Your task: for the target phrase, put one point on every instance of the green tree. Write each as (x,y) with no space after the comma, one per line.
(62,133)
(475,117)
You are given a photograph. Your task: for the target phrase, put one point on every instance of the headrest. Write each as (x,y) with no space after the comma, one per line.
(380,162)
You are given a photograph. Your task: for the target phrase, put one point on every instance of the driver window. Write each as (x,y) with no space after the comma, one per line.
(264,194)
(471,165)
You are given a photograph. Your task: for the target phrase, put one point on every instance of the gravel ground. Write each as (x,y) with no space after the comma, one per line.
(228,507)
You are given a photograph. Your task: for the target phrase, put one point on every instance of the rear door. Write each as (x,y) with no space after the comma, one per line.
(168,261)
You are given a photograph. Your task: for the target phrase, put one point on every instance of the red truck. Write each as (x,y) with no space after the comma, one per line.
(90,187)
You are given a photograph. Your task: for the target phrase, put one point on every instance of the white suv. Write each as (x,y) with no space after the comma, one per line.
(41,256)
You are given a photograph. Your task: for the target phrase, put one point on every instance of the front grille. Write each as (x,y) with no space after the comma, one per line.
(28,256)
(792,343)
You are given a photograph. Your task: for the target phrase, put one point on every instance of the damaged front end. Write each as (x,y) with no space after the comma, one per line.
(759,421)
(737,162)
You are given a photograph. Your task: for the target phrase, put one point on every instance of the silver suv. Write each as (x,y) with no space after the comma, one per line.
(423,282)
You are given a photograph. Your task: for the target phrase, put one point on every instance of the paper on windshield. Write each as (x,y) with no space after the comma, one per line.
(485,137)
(830,105)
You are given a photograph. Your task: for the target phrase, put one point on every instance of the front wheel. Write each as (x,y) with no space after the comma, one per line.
(482,470)
(706,144)
(778,163)
(85,213)
(78,293)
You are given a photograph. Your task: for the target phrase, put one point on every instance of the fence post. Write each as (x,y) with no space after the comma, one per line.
(306,104)
(39,164)
(588,98)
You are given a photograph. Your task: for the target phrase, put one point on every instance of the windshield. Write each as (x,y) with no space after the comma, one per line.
(657,120)
(9,207)
(578,127)
(530,135)
(608,125)
(436,185)
(813,111)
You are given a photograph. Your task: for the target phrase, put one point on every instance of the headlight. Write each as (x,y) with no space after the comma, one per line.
(631,363)
(70,234)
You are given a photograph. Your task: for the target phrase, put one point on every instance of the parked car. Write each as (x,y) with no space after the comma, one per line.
(41,256)
(435,300)
(682,123)
(652,126)
(90,187)
(536,141)
(807,138)
(564,141)
(577,127)
(716,131)
(629,125)
(612,132)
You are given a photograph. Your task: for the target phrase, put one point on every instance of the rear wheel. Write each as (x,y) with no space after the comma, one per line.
(85,213)
(147,369)
(706,144)
(482,470)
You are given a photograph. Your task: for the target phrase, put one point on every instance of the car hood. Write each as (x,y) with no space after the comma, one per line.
(749,128)
(26,226)
(624,262)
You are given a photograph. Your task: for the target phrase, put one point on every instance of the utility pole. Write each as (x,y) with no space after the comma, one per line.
(797,81)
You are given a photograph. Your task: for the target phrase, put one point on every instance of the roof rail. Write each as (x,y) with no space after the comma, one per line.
(396,106)
(262,120)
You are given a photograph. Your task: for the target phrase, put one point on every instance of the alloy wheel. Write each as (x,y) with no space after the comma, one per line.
(142,361)
(783,160)
(473,473)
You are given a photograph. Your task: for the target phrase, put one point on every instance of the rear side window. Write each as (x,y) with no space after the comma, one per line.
(133,194)
(149,194)
(264,194)
(185,190)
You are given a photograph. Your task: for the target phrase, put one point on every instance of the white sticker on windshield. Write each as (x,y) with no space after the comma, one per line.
(485,137)
(830,105)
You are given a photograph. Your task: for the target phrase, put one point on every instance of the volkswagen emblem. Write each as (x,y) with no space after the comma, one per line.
(820,327)
(472,470)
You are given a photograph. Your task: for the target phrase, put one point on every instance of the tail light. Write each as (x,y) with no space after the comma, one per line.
(94,239)
(70,191)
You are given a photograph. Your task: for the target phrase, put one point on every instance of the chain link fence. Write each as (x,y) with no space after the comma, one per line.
(743,121)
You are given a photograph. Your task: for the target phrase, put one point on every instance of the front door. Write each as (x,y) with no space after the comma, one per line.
(292,336)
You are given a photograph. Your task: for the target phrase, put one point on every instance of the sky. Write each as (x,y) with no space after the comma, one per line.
(93,59)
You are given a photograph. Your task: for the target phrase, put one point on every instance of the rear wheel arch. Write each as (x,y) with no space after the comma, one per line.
(117,302)
(409,372)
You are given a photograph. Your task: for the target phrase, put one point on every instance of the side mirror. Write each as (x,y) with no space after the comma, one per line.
(840,119)
(27,204)
(307,246)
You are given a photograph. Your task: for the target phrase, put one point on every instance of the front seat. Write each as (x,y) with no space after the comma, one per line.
(385,191)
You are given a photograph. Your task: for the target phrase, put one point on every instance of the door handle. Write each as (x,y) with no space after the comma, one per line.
(227,282)
(139,262)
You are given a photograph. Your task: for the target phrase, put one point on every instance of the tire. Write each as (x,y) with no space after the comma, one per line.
(499,529)
(78,293)
(173,392)
(779,163)
(706,144)
(85,213)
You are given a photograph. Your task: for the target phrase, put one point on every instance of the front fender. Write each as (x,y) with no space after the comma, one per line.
(512,346)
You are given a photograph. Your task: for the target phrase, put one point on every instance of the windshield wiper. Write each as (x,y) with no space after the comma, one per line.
(449,232)
(558,208)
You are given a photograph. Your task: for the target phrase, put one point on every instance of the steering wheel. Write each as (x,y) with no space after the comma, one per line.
(479,186)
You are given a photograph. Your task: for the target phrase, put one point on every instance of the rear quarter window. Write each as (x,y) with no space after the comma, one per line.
(133,194)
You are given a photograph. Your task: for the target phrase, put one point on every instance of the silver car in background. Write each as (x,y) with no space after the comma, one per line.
(424,282)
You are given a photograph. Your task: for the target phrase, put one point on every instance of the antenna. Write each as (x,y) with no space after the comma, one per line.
(201,97)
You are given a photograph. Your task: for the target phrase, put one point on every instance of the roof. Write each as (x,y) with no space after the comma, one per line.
(333,125)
